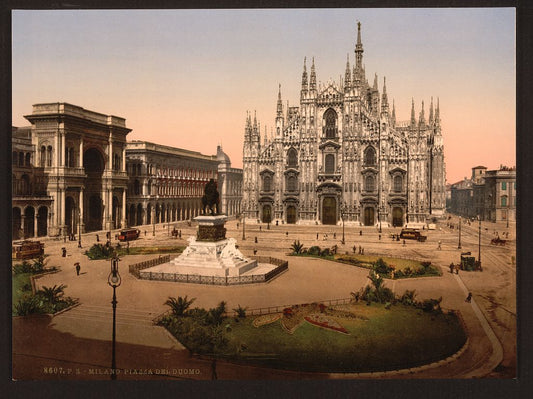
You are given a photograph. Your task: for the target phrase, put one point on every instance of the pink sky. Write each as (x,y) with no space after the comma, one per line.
(186,78)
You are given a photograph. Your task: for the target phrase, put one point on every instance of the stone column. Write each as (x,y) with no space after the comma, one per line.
(123,221)
(62,155)
(56,150)
(124,158)
(22,225)
(62,212)
(81,216)
(110,150)
(35,224)
(80,158)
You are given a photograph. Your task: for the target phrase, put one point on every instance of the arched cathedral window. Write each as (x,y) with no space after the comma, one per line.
(292,183)
(292,157)
(330,128)
(370,156)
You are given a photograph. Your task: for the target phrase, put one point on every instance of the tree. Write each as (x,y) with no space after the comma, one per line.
(179,306)
(216,315)
(241,312)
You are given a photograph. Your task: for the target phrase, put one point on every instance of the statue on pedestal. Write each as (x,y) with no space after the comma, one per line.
(210,199)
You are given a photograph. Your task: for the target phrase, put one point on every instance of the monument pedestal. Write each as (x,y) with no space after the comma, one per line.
(210,253)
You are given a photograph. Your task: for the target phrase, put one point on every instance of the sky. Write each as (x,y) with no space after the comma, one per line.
(186,78)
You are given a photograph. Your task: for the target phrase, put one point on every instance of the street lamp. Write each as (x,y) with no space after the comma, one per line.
(79,227)
(243,223)
(479,244)
(114,281)
(342,218)
(459,245)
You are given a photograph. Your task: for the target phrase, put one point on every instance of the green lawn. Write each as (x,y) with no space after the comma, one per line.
(379,340)
(149,250)
(21,286)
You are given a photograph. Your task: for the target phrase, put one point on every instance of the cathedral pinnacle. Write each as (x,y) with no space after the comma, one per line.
(304,78)
(279,110)
(422,119)
(393,116)
(384,98)
(431,112)
(375,87)
(413,119)
(312,82)
(347,76)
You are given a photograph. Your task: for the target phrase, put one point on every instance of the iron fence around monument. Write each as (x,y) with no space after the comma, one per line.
(281,266)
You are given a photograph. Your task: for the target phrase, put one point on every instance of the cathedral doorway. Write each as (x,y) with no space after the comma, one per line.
(369,216)
(291,214)
(329,210)
(267,214)
(397,217)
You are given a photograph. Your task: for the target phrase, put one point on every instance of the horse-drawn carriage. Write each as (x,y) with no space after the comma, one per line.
(497,241)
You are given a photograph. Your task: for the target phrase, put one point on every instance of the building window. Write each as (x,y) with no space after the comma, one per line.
(330,128)
(330,163)
(28,159)
(369,183)
(49,156)
(292,158)
(266,183)
(398,183)
(504,200)
(370,156)
(292,183)
(504,185)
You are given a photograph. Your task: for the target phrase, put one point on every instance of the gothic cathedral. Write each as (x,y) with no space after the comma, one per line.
(341,156)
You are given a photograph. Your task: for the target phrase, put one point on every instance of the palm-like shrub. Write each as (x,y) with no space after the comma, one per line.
(53,294)
(241,312)
(27,306)
(179,306)
(216,315)
(297,247)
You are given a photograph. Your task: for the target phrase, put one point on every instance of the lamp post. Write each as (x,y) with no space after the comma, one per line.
(459,245)
(79,227)
(243,223)
(508,203)
(342,218)
(479,244)
(114,281)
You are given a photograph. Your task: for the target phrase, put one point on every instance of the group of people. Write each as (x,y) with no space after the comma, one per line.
(361,250)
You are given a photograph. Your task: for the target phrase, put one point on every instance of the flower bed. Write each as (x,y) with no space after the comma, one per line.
(266,319)
(321,320)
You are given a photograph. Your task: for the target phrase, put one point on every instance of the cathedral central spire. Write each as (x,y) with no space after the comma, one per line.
(279,109)
(359,49)
(304,78)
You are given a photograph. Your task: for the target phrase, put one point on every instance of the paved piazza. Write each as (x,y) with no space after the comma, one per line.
(80,338)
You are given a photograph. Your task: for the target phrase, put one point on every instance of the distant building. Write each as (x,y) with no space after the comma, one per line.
(490,194)
(166,184)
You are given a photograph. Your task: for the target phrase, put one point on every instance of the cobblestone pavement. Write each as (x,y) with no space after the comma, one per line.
(79,339)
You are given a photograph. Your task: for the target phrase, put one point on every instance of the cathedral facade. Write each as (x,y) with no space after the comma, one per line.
(342,156)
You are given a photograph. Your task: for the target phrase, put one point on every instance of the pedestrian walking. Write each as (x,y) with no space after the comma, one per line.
(404,243)
(334,235)
(260,228)
(77,265)
(379,237)
(64,252)
(439,247)
(360,232)
(456,269)
(354,249)
(317,236)
(79,244)
(256,240)
(469,297)
(286,234)
(97,238)
(452,267)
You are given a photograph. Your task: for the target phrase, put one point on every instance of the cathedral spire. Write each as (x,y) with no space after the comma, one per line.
(304,79)
(422,119)
(413,119)
(437,114)
(393,116)
(384,99)
(431,113)
(347,75)
(312,82)
(279,109)
(359,49)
